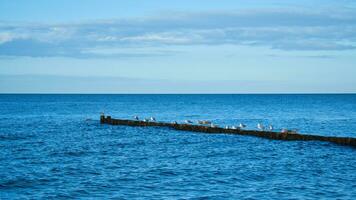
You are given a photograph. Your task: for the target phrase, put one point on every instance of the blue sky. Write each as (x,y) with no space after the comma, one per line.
(201,46)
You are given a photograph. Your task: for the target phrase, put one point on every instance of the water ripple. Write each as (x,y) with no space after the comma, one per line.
(49,150)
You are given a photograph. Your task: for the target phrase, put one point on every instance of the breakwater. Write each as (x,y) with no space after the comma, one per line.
(216,130)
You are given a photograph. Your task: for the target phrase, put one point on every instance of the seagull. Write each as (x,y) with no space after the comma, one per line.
(284,130)
(270,127)
(213,125)
(242,125)
(175,122)
(146,120)
(227,127)
(188,122)
(204,122)
(234,127)
(136,117)
(153,119)
(260,127)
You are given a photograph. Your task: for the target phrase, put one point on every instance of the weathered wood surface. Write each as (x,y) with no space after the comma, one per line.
(207,129)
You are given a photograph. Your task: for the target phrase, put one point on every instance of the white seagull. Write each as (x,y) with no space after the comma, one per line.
(136,117)
(260,127)
(213,125)
(284,130)
(270,127)
(204,122)
(242,125)
(153,119)
(188,122)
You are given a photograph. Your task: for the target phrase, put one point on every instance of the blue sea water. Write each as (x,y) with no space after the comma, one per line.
(53,147)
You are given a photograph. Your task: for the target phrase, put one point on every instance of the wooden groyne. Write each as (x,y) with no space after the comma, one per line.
(207,129)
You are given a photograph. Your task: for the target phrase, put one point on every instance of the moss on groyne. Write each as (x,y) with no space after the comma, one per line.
(207,129)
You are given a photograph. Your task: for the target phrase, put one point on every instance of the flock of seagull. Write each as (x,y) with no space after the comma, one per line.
(260,126)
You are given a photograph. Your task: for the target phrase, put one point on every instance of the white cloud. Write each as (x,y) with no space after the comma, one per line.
(165,38)
(278,29)
(5,37)
(9,36)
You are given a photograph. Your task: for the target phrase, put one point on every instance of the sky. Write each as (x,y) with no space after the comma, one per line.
(183,46)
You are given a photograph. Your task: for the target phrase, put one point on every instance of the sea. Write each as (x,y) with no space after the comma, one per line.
(53,147)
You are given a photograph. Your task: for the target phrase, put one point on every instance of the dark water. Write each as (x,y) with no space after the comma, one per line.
(52,147)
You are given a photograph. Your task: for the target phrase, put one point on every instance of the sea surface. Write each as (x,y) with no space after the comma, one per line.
(53,147)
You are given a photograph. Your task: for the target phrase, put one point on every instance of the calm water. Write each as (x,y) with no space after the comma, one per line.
(52,147)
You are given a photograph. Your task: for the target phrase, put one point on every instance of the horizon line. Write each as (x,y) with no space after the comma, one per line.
(272,93)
